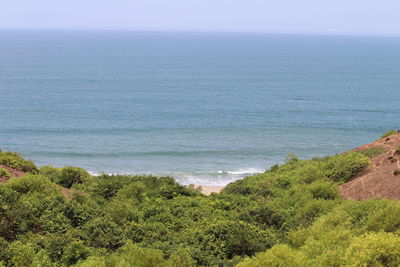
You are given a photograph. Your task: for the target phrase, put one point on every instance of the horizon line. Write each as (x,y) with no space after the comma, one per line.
(356,34)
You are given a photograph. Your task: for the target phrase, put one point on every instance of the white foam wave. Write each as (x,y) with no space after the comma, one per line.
(218,178)
(246,171)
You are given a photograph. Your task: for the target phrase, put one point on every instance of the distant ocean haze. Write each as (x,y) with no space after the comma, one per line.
(206,108)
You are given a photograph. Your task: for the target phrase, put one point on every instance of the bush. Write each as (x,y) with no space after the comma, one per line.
(106,186)
(374,249)
(279,255)
(75,252)
(292,212)
(372,152)
(385,218)
(344,167)
(180,258)
(102,233)
(290,159)
(4,251)
(32,183)
(263,214)
(390,132)
(4,173)
(128,255)
(27,254)
(13,160)
(72,175)
(323,190)
(231,238)
(66,176)
(50,172)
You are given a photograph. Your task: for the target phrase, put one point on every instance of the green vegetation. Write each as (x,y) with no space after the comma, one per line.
(388,133)
(372,152)
(4,173)
(67,176)
(14,160)
(352,234)
(291,215)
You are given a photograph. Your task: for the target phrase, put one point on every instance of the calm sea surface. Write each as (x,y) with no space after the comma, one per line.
(205,108)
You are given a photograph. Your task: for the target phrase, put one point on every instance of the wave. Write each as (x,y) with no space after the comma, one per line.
(212,178)
(246,171)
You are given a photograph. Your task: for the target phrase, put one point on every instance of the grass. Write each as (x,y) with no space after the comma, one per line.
(388,133)
(372,152)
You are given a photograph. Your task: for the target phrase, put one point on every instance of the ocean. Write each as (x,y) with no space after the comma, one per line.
(205,108)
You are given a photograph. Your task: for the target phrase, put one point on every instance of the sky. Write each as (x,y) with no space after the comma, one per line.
(365,17)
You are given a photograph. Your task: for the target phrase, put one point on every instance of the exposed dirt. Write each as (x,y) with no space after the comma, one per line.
(207,190)
(12,171)
(66,192)
(382,177)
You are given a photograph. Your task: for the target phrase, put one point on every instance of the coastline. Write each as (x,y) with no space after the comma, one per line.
(208,189)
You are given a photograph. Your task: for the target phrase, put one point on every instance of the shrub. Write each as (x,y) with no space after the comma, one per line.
(239,188)
(4,251)
(75,252)
(290,159)
(81,209)
(102,233)
(384,218)
(274,168)
(230,238)
(344,167)
(27,254)
(374,249)
(279,255)
(69,176)
(106,186)
(372,152)
(390,132)
(50,172)
(262,214)
(323,190)
(129,255)
(13,160)
(180,258)
(4,173)
(132,255)
(66,176)
(32,183)
(396,172)
(171,225)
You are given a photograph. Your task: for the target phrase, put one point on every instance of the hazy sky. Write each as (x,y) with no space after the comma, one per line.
(307,16)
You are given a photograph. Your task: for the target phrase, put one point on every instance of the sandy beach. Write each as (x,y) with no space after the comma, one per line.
(208,189)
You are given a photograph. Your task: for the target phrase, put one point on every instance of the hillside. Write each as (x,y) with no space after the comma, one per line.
(291,215)
(382,177)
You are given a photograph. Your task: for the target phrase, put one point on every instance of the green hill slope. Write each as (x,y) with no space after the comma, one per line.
(292,215)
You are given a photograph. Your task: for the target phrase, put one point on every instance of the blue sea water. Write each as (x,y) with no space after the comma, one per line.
(206,108)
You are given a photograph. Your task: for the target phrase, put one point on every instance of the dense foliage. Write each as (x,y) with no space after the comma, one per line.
(291,215)
(14,160)
(4,173)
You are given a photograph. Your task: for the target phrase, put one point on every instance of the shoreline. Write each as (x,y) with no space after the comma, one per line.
(208,189)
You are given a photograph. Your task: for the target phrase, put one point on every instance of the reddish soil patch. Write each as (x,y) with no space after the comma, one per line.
(379,179)
(12,171)
(66,192)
